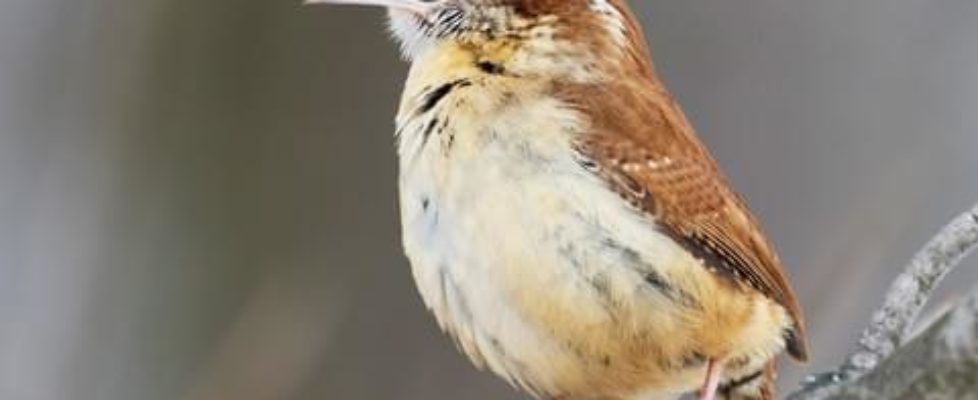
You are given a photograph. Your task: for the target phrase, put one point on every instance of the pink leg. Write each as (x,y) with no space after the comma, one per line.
(713,371)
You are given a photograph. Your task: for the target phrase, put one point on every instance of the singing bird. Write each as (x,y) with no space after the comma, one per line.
(562,220)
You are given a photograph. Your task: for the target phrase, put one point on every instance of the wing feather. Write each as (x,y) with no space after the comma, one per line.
(642,145)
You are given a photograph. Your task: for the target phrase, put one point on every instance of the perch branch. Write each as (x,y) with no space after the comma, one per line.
(904,300)
(940,363)
(908,294)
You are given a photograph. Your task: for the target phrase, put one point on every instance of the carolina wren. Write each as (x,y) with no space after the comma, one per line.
(562,220)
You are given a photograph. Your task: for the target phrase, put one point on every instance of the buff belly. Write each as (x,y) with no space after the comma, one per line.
(544,275)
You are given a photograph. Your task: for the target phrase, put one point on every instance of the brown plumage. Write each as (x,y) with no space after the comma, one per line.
(653,160)
(642,143)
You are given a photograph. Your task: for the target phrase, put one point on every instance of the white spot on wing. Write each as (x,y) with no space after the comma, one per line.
(614,20)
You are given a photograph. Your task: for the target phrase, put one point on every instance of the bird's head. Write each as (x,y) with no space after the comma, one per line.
(573,28)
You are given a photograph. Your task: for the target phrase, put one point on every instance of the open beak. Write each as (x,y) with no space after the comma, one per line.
(418,7)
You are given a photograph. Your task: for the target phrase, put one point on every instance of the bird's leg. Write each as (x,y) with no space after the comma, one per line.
(713,371)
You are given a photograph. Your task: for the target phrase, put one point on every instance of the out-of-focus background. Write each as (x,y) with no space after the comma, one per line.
(197,198)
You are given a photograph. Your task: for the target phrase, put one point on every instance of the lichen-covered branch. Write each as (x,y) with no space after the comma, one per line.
(908,294)
(940,363)
(891,324)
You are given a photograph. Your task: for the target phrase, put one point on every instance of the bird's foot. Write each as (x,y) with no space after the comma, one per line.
(713,371)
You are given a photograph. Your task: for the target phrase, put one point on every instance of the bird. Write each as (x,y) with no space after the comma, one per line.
(563,222)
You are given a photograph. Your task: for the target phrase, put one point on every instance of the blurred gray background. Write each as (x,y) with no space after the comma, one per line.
(197,198)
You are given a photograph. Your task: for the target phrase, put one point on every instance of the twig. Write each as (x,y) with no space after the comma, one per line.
(940,363)
(908,294)
(904,300)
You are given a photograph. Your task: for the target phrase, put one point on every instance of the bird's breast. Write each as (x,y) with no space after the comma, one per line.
(537,269)
(510,240)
